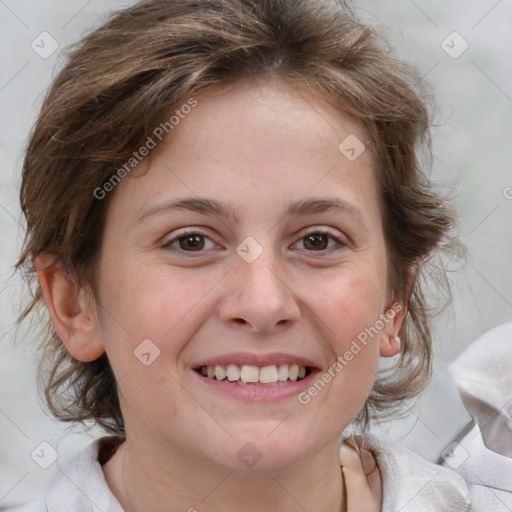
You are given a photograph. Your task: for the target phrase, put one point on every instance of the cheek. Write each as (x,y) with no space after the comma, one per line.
(347,309)
(148,316)
(147,301)
(349,305)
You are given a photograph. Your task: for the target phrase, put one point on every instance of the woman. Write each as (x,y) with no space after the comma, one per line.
(234,230)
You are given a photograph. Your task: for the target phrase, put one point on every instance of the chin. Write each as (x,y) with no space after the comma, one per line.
(268,449)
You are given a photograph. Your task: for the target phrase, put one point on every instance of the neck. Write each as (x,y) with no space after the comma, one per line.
(153,481)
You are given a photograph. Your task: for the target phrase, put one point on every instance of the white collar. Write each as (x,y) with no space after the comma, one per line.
(80,485)
(410,483)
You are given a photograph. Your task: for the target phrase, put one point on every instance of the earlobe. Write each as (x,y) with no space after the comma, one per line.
(389,339)
(70,310)
(389,345)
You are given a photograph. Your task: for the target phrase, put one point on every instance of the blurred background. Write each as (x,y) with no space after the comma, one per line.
(462,49)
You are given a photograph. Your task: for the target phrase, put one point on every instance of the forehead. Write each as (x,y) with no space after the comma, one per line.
(263,139)
(270,112)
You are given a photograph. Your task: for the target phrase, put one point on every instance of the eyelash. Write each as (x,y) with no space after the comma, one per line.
(319,231)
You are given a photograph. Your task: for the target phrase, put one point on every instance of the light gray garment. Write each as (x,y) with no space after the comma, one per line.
(410,483)
(483,375)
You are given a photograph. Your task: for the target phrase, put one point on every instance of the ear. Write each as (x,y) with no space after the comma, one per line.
(393,317)
(71,310)
(389,340)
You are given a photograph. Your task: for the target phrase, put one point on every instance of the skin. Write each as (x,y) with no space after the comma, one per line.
(258,147)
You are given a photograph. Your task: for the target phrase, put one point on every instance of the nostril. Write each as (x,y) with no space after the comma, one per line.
(240,321)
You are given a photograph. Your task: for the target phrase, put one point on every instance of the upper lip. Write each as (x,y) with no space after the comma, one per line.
(261,360)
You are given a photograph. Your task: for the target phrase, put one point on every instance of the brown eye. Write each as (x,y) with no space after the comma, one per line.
(191,242)
(320,241)
(316,241)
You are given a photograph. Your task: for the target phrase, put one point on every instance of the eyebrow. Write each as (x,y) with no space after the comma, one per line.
(214,207)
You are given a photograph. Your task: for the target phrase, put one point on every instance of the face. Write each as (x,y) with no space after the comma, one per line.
(247,244)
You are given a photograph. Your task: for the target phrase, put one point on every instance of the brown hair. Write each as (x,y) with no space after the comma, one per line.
(145,61)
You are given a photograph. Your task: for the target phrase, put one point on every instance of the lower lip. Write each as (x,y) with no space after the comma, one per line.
(258,393)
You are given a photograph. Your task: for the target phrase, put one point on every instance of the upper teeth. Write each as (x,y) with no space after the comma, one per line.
(249,373)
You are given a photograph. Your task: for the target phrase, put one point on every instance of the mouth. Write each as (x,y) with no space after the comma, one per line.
(256,377)
(251,375)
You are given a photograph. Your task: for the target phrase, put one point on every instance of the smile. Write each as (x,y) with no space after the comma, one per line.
(253,375)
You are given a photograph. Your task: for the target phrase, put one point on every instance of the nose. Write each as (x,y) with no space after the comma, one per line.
(259,297)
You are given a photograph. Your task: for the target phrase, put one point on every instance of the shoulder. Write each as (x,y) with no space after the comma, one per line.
(411,483)
(80,485)
(483,375)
